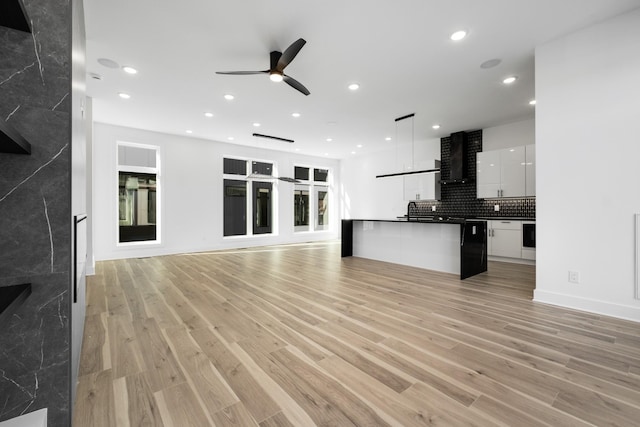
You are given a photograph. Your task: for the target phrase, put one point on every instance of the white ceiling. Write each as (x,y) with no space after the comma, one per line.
(398,51)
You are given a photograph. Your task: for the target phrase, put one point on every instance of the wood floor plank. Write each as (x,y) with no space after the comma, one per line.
(295,335)
(235,415)
(327,404)
(279,420)
(96,300)
(135,402)
(442,384)
(179,407)
(207,381)
(388,404)
(255,398)
(93,346)
(160,365)
(126,352)
(95,400)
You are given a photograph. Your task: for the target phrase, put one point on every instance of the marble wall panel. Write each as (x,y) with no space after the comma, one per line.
(35,213)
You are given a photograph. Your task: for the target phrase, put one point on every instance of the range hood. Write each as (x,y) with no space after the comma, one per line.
(457,159)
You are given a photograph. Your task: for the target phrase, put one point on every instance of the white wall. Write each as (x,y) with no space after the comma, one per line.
(366,196)
(588,105)
(509,135)
(191,194)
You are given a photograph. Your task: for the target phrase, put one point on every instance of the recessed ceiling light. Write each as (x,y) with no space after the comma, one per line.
(509,80)
(329,139)
(109,63)
(129,70)
(532,102)
(458,35)
(296,115)
(326,154)
(256,124)
(207,114)
(359,145)
(491,63)
(297,149)
(189,131)
(229,97)
(230,138)
(124,95)
(388,138)
(353,152)
(436,126)
(354,86)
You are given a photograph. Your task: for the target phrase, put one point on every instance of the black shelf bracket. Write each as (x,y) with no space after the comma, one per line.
(13,15)
(11,141)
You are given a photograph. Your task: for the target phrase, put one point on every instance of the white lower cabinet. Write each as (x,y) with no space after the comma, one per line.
(505,238)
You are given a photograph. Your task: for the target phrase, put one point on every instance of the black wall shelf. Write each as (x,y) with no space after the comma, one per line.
(11,141)
(13,15)
(11,297)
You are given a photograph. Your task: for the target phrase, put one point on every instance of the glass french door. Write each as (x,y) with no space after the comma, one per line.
(262,216)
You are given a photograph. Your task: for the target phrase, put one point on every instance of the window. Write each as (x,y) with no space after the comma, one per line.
(301,208)
(311,200)
(323,211)
(235,167)
(237,204)
(320,175)
(301,173)
(262,168)
(262,207)
(138,194)
(235,207)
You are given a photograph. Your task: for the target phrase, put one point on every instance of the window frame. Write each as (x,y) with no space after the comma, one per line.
(250,214)
(145,170)
(313,187)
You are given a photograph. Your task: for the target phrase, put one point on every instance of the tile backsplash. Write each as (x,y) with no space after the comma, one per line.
(459,200)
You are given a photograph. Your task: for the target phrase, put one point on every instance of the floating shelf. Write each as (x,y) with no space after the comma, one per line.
(11,297)
(13,15)
(11,141)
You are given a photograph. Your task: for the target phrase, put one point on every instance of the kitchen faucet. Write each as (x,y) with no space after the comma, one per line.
(409,209)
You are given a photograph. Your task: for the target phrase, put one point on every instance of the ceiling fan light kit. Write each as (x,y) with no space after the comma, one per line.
(278,62)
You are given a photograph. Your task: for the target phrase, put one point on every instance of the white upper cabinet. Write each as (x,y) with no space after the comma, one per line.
(423,186)
(501,173)
(488,174)
(530,168)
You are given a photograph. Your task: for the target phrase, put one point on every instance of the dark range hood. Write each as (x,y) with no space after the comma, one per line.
(457,159)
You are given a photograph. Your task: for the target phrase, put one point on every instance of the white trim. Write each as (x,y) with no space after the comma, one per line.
(140,169)
(32,419)
(590,305)
(637,257)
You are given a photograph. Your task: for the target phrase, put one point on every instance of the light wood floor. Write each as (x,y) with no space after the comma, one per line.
(296,336)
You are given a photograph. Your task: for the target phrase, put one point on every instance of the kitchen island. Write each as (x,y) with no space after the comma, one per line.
(450,245)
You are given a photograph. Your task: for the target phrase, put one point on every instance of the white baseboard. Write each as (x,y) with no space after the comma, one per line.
(625,312)
(33,419)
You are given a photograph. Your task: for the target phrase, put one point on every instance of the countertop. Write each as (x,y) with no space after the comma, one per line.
(443,219)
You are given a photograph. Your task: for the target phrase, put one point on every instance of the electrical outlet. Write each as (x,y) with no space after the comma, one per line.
(433,208)
(496,208)
(574,277)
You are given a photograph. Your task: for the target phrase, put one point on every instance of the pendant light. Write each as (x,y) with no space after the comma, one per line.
(411,172)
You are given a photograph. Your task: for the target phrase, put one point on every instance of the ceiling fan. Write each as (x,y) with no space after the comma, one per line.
(279,61)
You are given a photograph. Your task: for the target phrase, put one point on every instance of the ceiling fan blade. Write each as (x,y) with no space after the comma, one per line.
(289,54)
(242,73)
(296,85)
(289,179)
